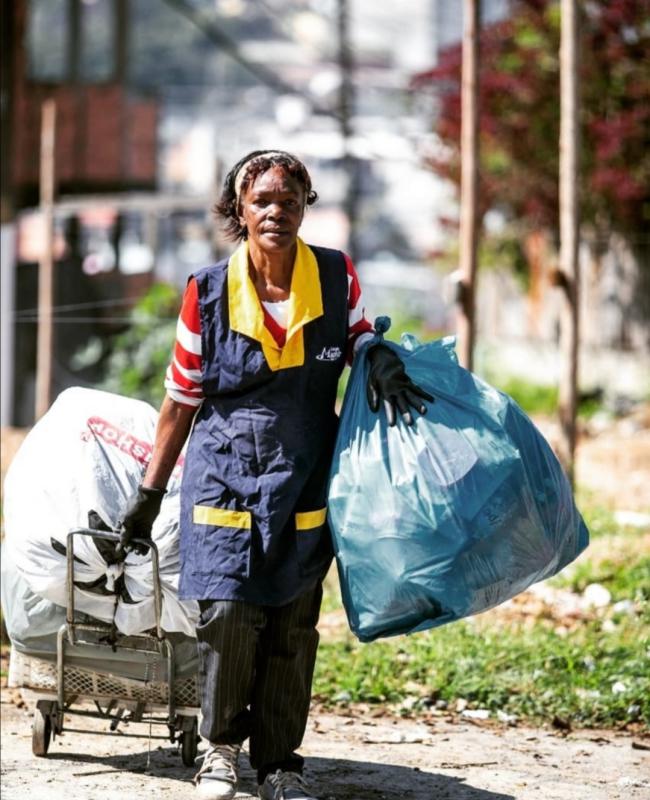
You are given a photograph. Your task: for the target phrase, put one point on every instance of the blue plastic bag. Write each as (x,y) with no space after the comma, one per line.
(449,517)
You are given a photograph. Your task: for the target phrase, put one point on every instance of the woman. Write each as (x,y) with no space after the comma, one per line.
(262,340)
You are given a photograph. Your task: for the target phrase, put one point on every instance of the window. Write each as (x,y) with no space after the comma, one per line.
(97,40)
(48,40)
(69,40)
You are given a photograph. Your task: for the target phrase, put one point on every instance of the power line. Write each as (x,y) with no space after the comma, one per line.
(280,21)
(271,79)
(76,306)
(33,320)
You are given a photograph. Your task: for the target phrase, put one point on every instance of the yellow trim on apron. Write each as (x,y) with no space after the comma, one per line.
(305,304)
(222,517)
(306,520)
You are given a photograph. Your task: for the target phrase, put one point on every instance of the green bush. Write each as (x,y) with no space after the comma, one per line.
(139,356)
(533,398)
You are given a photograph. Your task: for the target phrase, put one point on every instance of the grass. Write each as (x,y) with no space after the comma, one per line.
(590,673)
(625,580)
(618,557)
(589,678)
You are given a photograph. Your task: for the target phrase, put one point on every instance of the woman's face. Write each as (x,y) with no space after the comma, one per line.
(272,209)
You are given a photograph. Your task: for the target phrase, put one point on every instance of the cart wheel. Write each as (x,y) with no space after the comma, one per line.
(189,741)
(41,732)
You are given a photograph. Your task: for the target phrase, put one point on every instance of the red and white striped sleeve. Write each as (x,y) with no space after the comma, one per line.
(359,328)
(184,374)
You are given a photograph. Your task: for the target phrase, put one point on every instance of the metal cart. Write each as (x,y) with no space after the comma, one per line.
(116,699)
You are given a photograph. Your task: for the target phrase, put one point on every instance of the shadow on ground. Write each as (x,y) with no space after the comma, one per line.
(329,778)
(354,780)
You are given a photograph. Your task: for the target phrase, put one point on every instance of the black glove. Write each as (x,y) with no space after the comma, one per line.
(141,511)
(388,381)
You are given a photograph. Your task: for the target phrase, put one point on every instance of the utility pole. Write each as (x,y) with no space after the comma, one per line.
(11,49)
(46,262)
(569,268)
(346,109)
(469,183)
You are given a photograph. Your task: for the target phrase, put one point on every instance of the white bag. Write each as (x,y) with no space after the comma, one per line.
(88,454)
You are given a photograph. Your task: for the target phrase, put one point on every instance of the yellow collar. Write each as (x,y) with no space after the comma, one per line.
(305,304)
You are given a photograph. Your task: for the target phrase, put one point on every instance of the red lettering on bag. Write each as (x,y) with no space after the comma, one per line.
(138,449)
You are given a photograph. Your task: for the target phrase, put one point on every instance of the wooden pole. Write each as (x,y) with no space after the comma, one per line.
(345,112)
(46,263)
(469,183)
(569,267)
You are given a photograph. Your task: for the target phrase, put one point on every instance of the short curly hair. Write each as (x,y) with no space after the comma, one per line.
(260,161)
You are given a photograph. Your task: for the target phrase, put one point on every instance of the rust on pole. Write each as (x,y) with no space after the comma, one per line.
(569,267)
(46,263)
(469,183)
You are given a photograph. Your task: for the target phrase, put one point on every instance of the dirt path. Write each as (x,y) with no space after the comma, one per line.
(348,758)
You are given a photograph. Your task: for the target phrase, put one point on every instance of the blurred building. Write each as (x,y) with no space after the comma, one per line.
(106,134)
(110,220)
(105,142)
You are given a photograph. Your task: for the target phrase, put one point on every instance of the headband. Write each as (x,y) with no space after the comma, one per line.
(241,173)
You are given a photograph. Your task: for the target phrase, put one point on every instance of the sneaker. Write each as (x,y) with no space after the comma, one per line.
(217,778)
(284,786)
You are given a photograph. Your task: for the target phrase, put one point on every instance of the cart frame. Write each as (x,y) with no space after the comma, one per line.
(181,721)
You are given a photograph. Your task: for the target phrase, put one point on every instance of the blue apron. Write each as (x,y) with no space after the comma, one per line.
(253,496)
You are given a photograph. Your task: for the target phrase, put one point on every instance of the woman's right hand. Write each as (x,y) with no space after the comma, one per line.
(141,512)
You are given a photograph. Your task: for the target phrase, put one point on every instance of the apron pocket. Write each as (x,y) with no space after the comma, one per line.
(313,543)
(223,539)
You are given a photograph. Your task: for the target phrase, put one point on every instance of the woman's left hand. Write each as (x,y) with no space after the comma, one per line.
(388,381)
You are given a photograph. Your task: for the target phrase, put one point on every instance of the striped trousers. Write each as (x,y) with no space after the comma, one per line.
(256,665)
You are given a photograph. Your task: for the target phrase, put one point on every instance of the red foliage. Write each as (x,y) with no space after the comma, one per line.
(519,112)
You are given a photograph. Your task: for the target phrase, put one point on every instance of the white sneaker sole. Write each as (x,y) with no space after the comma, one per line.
(214,790)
